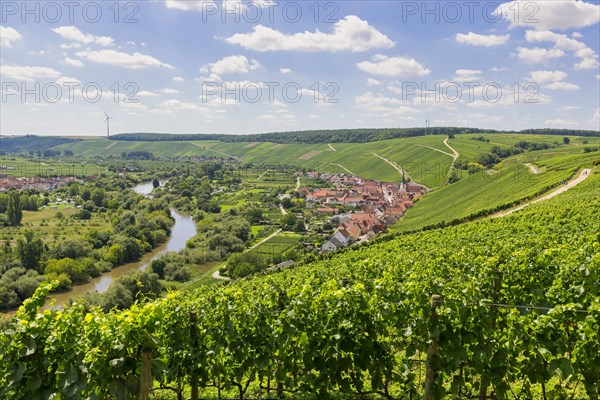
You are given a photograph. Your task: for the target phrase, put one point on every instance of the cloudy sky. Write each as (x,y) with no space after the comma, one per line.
(185,66)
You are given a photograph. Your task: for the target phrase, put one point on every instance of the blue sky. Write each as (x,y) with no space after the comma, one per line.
(218,66)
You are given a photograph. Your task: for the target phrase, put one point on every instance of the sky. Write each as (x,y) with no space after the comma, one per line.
(241,67)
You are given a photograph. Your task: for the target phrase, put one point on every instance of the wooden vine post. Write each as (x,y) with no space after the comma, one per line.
(145,374)
(194,340)
(497,285)
(430,374)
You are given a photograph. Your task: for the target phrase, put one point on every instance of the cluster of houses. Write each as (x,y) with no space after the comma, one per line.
(35,183)
(375,205)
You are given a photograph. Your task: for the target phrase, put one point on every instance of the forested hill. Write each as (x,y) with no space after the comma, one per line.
(339,136)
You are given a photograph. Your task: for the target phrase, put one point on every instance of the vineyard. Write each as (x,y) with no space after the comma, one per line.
(516,316)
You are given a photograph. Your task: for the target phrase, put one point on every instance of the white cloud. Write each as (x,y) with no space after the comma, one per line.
(475,39)
(65,79)
(563,42)
(467,75)
(587,63)
(286,71)
(595,121)
(146,93)
(169,91)
(67,46)
(26,73)
(232,65)
(551,14)
(562,86)
(538,55)
(547,76)
(74,34)
(349,34)
(558,122)
(72,62)
(176,105)
(373,82)
(212,5)
(120,59)
(569,108)
(178,79)
(383,106)
(501,69)
(8,35)
(393,66)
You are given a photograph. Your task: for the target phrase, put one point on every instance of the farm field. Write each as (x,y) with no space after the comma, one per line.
(278,244)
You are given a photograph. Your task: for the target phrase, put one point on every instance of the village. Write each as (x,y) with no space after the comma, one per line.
(36,183)
(376,205)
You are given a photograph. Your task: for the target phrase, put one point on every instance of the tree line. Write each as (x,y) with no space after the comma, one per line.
(340,135)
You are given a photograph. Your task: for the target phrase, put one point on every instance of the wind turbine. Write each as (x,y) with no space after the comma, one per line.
(107,122)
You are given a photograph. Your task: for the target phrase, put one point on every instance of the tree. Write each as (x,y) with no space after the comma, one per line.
(30,251)
(451,136)
(155,183)
(254,215)
(14,210)
(86,194)
(288,221)
(98,197)
(299,227)
(566,140)
(287,203)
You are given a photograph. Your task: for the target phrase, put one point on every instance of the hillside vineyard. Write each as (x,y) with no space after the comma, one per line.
(517,316)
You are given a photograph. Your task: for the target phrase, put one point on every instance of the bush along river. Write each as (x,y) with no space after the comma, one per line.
(183,230)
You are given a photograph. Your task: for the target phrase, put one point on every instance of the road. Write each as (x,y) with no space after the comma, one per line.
(331,147)
(583,176)
(455,153)
(297,184)
(342,167)
(393,164)
(533,168)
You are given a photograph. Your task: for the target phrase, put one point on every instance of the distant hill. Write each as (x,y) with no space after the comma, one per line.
(25,144)
(338,136)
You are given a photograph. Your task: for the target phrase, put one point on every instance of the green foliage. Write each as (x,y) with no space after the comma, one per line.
(288,221)
(14,209)
(30,251)
(244,264)
(520,309)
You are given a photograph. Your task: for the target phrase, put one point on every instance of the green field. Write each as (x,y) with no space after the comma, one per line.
(513,181)
(278,244)
(423,157)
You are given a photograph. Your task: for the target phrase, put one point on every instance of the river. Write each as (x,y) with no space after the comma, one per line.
(183,230)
